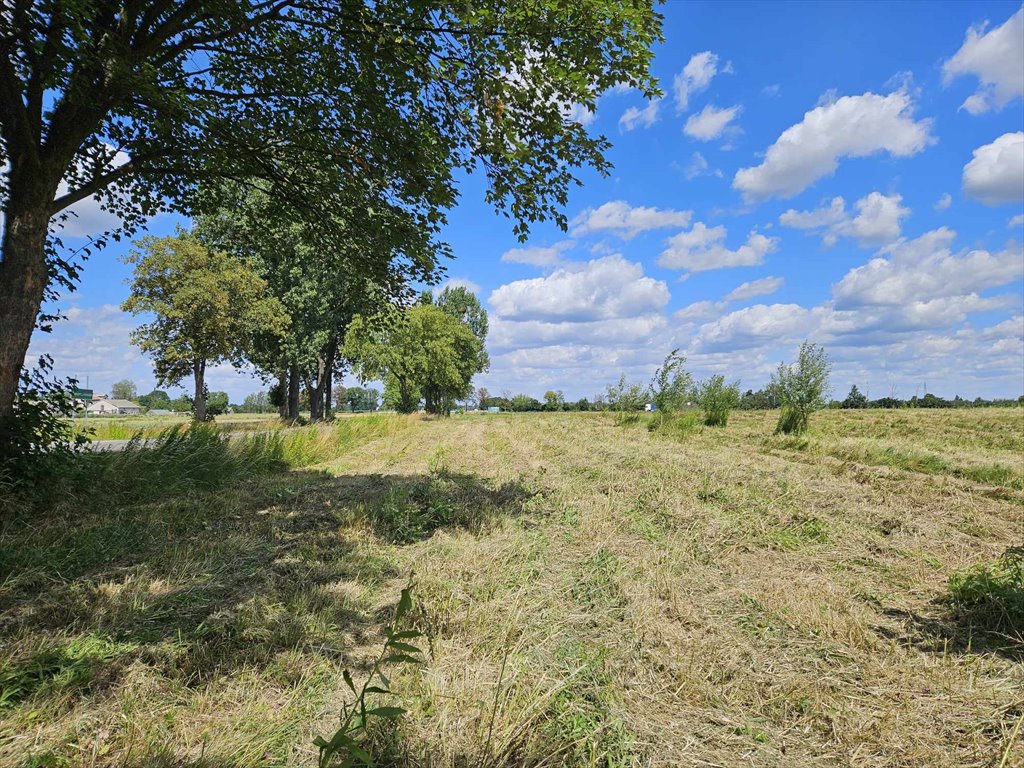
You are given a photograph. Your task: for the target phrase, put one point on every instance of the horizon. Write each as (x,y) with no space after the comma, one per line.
(742,216)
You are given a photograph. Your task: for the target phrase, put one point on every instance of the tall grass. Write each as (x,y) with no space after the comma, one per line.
(186,459)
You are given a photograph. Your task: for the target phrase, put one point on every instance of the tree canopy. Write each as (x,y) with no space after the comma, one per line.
(208,308)
(370,108)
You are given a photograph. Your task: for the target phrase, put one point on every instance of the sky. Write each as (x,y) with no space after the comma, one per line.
(847,173)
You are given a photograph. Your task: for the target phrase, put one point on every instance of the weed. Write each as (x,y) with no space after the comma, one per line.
(990,596)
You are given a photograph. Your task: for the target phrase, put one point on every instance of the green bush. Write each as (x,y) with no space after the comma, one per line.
(718,399)
(801,388)
(991,595)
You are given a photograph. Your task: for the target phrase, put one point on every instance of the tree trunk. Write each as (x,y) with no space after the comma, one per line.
(23,278)
(294,382)
(282,391)
(316,400)
(199,400)
(327,378)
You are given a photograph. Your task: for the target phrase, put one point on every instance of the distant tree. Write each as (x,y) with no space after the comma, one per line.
(257,402)
(801,388)
(216,403)
(583,404)
(181,404)
(462,304)
(360,399)
(932,401)
(482,396)
(208,308)
(887,402)
(339,397)
(717,399)
(553,401)
(671,386)
(124,390)
(426,353)
(761,400)
(855,399)
(525,403)
(157,399)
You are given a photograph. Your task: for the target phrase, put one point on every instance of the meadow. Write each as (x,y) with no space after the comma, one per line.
(127,427)
(592,594)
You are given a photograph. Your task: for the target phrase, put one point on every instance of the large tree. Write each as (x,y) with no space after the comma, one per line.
(424,353)
(208,307)
(354,104)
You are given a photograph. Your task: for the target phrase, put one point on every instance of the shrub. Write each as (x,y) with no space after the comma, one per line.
(801,388)
(991,595)
(671,386)
(626,397)
(717,399)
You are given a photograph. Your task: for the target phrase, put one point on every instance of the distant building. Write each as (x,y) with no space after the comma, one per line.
(108,407)
(158,412)
(650,407)
(494,409)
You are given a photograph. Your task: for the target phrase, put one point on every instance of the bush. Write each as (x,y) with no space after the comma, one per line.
(801,388)
(671,386)
(991,595)
(717,399)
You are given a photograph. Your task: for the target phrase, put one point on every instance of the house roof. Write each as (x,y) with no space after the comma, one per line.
(118,403)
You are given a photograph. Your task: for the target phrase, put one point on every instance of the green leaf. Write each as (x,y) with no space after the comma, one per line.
(348,680)
(404,604)
(404,647)
(400,658)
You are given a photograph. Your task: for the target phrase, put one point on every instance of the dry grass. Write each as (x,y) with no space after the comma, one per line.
(594,595)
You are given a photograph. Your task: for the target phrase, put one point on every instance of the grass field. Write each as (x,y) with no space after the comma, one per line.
(126,427)
(592,594)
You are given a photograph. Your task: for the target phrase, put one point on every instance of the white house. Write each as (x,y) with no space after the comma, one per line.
(109,407)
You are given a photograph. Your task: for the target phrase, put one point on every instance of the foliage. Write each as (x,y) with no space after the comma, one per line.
(855,399)
(347,746)
(132,104)
(762,400)
(672,385)
(216,403)
(361,399)
(717,399)
(554,401)
(991,595)
(625,397)
(801,388)
(208,308)
(157,399)
(462,304)
(424,352)
(256,402)
(124,390)
(38,440)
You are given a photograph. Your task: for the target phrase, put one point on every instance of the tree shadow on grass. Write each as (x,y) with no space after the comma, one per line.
(197,585)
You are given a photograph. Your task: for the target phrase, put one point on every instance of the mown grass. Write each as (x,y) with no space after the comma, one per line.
(592,594)
(127,427)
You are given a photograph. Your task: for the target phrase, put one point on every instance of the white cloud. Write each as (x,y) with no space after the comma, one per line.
(700,311)
(996,58)
(925,269)
(645,117)
(601,289)
(1017,221)
(710,122)
(755,325)
(618,217)
(996,174)
(538,255)
(944,202)
(699,167)
(771,91)
(877,221)
(852,126)
(695,77)
(578,113)
(703,248)
(749,290)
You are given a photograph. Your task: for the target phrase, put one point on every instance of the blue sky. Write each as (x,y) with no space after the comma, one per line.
(852,173)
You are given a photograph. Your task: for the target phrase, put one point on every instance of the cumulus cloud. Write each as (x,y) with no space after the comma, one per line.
(634,117)
(877,221)
(996,174)
(622,219)
(710,123)
(601,289)
(703,248)
(944,202)
(755,325)
(925,269)
(749,290)
(996,59)
(699,166)
(695,77)
(538,255)
(1017,221)
(851,126)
